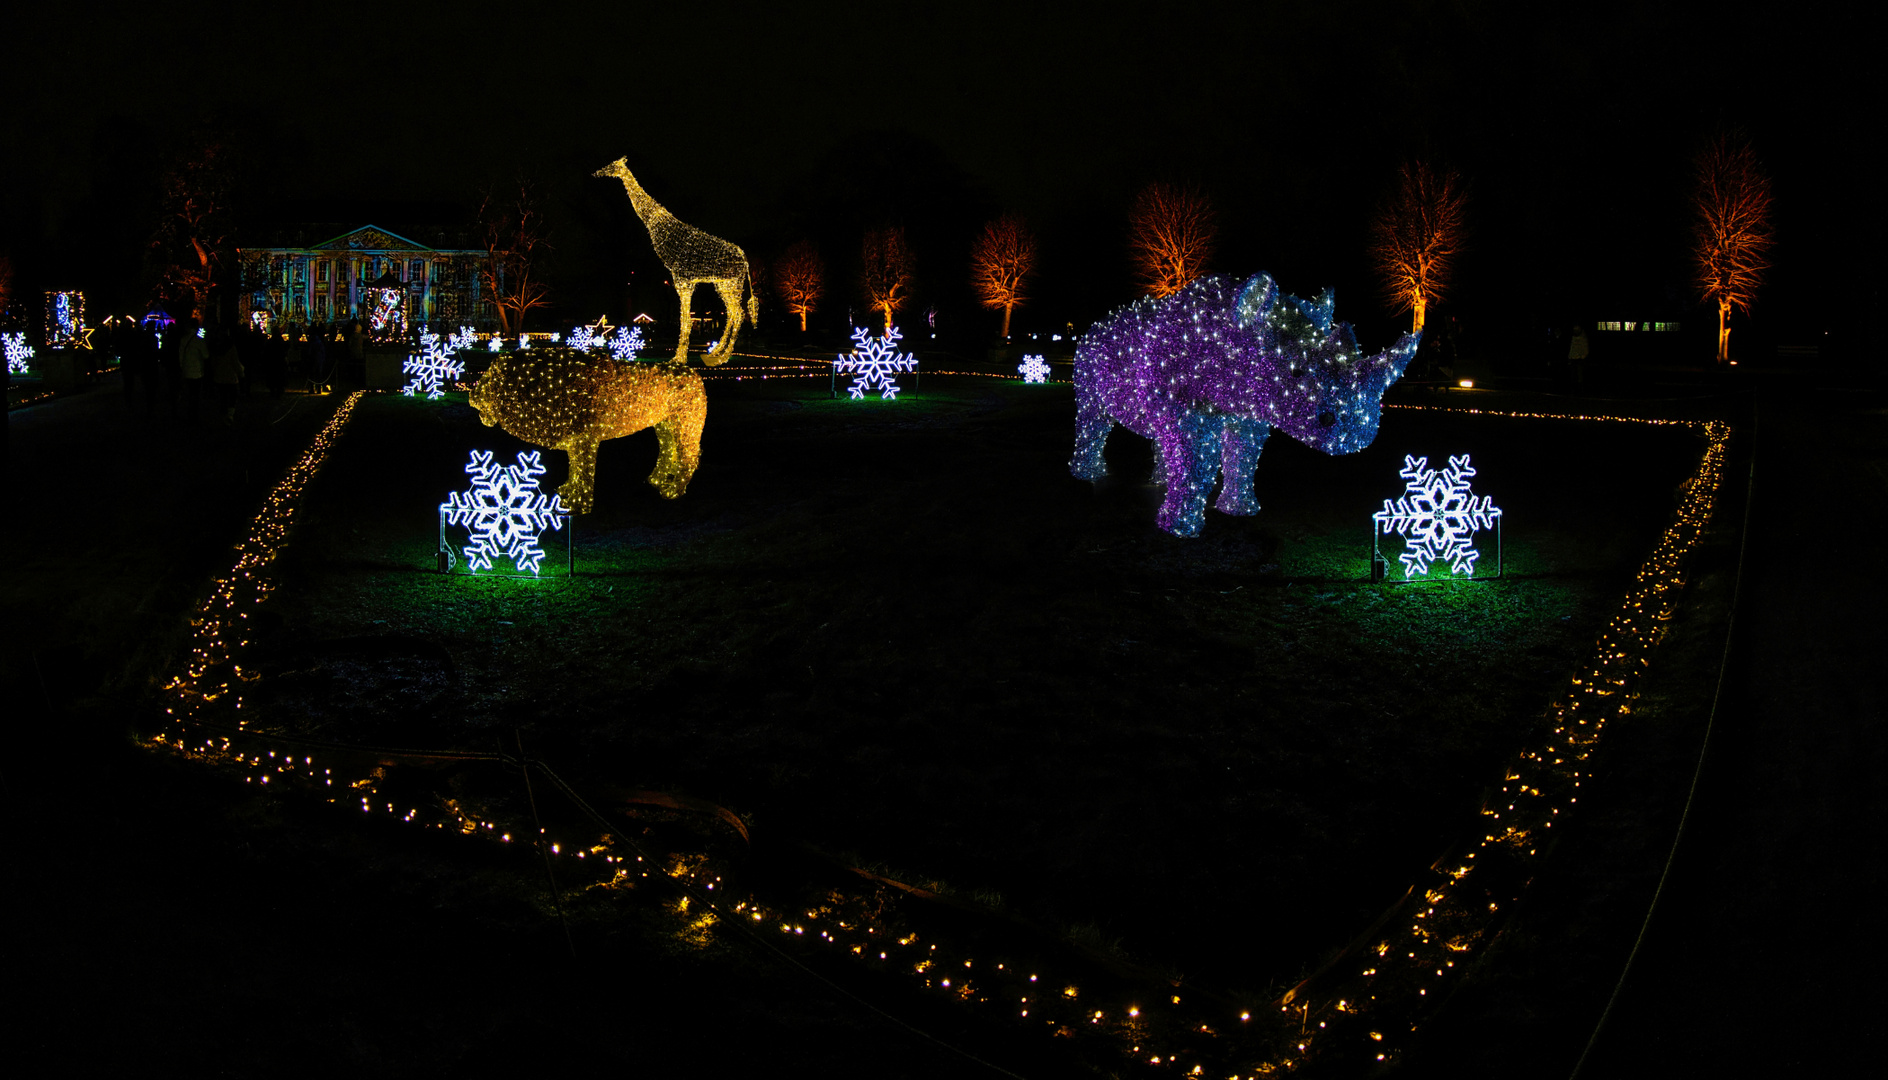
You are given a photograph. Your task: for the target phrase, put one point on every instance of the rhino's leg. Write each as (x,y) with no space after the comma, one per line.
(579,491)
(1243,440)
(1092,425)
(1190,447)
(1159,476)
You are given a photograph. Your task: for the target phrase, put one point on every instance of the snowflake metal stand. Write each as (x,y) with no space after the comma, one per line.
(431,367)
(1033,369)
(506,512)
(874,360)
(1438,516)
(18,351)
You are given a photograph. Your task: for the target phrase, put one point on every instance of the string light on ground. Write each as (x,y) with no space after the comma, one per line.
(1438,515)
(563,399)
(1209,371)
(874,361)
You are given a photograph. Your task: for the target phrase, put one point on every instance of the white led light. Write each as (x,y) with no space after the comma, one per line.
(1437,515)
(874,360)
(505,511)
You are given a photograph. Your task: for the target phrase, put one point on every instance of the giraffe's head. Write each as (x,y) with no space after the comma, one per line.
(618,169)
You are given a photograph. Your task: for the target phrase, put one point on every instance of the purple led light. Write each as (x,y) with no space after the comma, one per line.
(1209,371)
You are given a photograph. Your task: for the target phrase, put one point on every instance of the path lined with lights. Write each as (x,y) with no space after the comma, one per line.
(1356,1007)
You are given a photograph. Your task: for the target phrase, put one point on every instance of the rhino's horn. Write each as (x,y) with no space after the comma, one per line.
(1255,299)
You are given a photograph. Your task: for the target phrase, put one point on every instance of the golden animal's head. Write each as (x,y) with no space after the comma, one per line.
(543,396)
(618,168)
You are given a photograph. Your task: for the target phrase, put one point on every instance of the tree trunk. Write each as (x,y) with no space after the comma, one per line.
(1006,321)
(1724,331)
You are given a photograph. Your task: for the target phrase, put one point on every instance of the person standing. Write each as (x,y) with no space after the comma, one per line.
(226,373)
(1577,353)
(192,356)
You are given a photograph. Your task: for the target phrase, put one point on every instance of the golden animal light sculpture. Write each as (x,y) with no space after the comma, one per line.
(568,400)
(693,258)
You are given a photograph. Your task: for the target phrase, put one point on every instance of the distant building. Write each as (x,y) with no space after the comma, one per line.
(329,281)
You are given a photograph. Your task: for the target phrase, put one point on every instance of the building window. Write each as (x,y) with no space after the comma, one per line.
(321,271)
(416,271)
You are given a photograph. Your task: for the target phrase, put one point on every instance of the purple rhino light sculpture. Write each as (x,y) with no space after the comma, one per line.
(1209,371)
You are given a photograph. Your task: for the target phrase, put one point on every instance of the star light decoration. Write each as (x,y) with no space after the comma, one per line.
(431,367)
(1209,371)
(505,511)
(1437,515)
(1033,369)
(874,360)
(18,351)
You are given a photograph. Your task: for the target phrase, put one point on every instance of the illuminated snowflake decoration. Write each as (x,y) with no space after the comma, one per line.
(583,339)
(466,339)
(1033,369)
(431,367)
(505,511)
(18,351)
(626,343)
(873,361)
(493,345)
(1437,515)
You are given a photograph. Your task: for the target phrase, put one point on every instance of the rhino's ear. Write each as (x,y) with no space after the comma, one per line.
(1319,310)
(1341,340)
(1255,299)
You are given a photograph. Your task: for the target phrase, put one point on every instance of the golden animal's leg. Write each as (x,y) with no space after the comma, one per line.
(688,415)
(667,478)
(579,491)
(730,292)
(686,290)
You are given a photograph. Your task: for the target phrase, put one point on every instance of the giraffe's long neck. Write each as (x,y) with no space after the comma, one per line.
(649,210)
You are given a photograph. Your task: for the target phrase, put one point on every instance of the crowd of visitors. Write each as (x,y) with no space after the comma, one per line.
(195,374)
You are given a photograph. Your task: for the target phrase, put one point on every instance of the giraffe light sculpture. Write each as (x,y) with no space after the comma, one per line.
(693,258)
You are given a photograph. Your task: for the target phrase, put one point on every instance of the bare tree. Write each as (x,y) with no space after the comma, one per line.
(1170,236)
(1001,262)
(886,271)
(1731,229)
(514,246)
(1416,235)
(800,279)
(190,251)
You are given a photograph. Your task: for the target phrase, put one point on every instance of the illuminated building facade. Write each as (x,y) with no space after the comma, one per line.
(328,281)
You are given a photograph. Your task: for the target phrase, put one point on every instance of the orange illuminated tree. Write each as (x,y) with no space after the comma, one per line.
(515,247)
(1001,262)
(800,279)
(1416,235)
(886,270)
(1170,236)
(190,251)
(1731,229)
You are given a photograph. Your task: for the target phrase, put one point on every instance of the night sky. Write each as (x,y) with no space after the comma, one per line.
(768,123)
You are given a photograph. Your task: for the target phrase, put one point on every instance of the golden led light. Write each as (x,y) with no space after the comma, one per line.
(1415,237)
(693,258)
(567,400)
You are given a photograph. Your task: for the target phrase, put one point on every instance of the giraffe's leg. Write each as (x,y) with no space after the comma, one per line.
(686,290)
(730,291)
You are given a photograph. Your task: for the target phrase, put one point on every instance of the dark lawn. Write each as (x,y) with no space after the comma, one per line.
(900,632)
